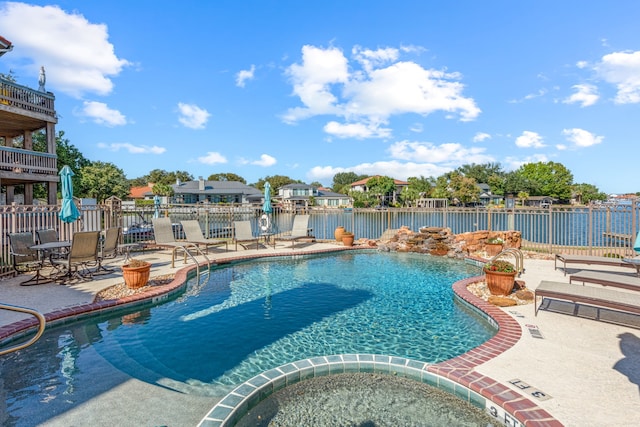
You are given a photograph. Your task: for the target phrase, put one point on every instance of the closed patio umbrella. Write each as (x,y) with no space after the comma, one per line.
(266,207)
(68,212)
(265,220)
(156,204)
(636,245)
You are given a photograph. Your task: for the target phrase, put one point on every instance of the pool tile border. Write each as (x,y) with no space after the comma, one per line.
(456,375)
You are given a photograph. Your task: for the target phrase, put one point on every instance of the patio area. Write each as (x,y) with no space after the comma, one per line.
(588,370)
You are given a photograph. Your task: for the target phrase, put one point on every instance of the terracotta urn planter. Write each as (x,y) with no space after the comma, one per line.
(338,233)
(347,239)
(500,283)
(136,273)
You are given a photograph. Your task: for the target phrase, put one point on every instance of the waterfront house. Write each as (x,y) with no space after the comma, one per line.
(24,111)
(391,198)
(293,196)
(202,191)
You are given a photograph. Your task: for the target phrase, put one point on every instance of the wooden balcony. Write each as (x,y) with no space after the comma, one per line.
(20,166)
(24,109)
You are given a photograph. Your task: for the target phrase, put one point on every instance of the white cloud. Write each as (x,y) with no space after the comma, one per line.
(417,128)
(133,149)
(582,64)
(100,113)
(513,163)
(193,116)
(327,84)
(394,168)
(265,161)
(76,53)
(529,139)
(579,138)
(585,95)
(481,136)
(356,130)
(312,79)
(245,75)
(449,153)
(212,158)
(623,70)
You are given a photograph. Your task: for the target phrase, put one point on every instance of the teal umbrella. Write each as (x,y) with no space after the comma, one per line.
(265,219)
(156,204)
(636,245)
(68,212)
(266,207)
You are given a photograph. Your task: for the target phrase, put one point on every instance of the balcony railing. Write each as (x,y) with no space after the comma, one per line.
(26,98)
(24,161)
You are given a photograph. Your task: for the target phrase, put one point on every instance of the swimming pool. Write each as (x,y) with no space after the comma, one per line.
(249,317)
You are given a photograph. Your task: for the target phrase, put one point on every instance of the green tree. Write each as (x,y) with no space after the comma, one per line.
(316,184)
(161,176)
(163,190)
(68,155)
(102,180)
(382,187)
(276,181)
(422,185)
(480,173)
(464,188)
(342,181)
(586,193)
(547,179)
(226,177)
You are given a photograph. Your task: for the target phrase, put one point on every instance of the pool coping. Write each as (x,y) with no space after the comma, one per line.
(505,404)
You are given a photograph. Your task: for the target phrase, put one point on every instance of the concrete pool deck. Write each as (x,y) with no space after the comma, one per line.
(589,368)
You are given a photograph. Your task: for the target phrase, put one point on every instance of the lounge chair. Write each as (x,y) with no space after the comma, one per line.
(109,248)
(589,260)
(589,295)
(299,230)
(194,234)
(164,237)
(243,234)
(83,254)
(615,280)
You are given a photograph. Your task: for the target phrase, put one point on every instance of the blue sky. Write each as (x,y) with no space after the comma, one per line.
(308,89)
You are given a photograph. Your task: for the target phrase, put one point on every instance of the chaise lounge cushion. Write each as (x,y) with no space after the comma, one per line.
(590,295)
(615,280)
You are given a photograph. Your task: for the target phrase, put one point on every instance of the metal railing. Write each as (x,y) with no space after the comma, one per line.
(42,322)
(22,161)
(592,230)
(25,98)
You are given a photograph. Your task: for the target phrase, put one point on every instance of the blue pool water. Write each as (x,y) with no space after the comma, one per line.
(248,317)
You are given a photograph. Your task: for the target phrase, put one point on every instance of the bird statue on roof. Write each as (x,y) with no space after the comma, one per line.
(42,80)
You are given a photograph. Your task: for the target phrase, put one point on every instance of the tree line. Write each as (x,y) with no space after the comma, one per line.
(100,180)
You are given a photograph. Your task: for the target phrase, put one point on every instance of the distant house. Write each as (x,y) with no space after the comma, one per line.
(293,196)
(540,201)
(487,197)
(202,191)
(392,198)
(141,193)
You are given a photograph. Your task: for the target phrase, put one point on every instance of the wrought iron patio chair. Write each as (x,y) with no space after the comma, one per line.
(48,236)
(82,256)
(108,249)
(25,259)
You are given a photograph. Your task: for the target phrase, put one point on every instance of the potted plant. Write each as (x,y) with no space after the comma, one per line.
(494,246)
(500,276)
(347,238)
(136,273)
